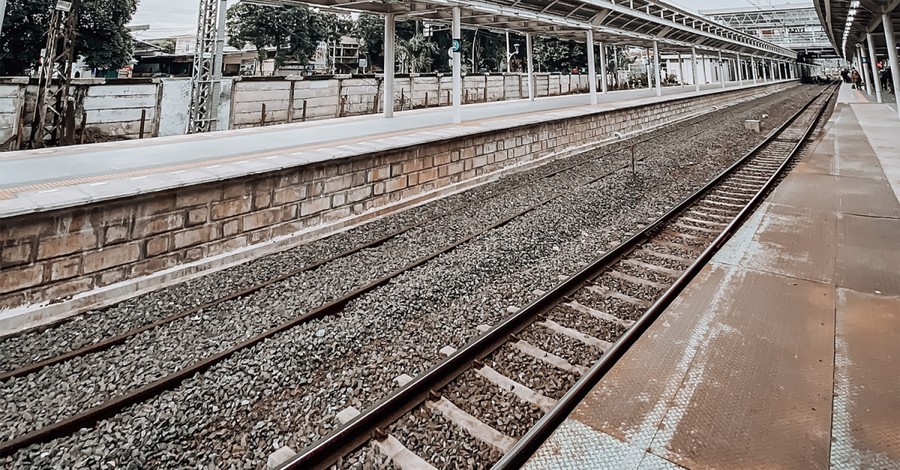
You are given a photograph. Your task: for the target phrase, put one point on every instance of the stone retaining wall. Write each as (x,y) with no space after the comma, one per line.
(49,257)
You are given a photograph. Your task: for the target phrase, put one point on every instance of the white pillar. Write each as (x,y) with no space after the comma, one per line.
(681,68)
(530,67)
(694,67)
(873,63)
(864,70)
(457,69)
(891,42)
(649,72)
(592,67)
(658,70)
(739,68)
(389,65)
(508,55)
(3,15)
(604,85)
(753,68)
(721,69)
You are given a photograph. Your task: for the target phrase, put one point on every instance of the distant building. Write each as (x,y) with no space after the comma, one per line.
(177,58)
(340,56)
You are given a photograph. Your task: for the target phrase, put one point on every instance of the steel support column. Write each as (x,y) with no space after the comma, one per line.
(658,71)
(457,69)
(389,37)
(592,67)
(694,67)
(862,69)
(681,69)
(604,85)
(891,41)
(2,15)
(873,64)
(739,68)
(530,66)
(722,69)
(753,69)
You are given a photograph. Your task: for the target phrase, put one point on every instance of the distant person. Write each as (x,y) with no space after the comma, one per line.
(854,78)
(887,79)
(845,75)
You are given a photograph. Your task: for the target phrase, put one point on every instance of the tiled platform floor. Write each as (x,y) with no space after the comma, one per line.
(785,351)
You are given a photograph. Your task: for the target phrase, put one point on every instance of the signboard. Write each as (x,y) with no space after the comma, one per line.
(457,45)
(363,63)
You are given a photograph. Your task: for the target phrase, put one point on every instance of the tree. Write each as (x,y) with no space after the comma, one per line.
(102,39)
(415,54)
(555,55)
(295,32)
(369,31)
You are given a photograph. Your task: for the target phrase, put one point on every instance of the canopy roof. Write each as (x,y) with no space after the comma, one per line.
(847,22)
(632,22)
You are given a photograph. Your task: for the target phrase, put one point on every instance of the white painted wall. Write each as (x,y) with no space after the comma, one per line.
(114,107)
(12,98)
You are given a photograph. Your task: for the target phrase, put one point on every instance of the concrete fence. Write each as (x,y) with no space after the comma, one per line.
(122,108)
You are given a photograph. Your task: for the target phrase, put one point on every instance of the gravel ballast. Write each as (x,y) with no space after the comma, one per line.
(287,390)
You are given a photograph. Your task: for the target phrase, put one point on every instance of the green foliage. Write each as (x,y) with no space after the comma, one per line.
(555,55)
(293,31)
(369,31)
(415,54)
(102,38)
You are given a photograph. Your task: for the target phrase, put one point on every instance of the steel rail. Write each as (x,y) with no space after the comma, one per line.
(172,380)
(121,338)
(522,451)
(361,429)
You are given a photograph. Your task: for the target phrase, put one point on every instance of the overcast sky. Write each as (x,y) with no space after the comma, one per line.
(174,17)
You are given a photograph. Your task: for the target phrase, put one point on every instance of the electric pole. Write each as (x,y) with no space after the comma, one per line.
(54,111)
(2,15)
(207,75)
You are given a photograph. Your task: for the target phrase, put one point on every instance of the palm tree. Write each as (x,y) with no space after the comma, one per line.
(415,53)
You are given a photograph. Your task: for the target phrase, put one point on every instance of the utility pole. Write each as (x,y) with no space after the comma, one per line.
(2,15)
(206,80)
(54,113)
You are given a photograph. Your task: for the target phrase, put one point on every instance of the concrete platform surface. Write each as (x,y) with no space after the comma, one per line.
(783,352)
(46,179)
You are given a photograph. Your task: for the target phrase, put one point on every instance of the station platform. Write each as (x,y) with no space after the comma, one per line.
(783,352)
(53,178)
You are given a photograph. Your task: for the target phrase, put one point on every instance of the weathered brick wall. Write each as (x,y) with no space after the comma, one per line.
(55,255)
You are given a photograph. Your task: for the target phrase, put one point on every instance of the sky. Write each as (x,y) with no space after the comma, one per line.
(175,17)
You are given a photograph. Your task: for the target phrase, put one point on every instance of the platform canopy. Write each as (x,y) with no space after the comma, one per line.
(632,22)
(847,22)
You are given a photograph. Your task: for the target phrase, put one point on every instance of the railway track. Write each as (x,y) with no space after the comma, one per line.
(106,343)
(110,407)
(600,311)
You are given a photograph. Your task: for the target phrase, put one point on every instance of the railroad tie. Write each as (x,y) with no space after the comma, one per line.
(576,335)
(390,446)
(472,425)
(652,267)
(507,384)
(639,281)
(546,357)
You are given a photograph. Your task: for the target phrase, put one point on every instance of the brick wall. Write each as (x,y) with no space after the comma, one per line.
(49,257)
